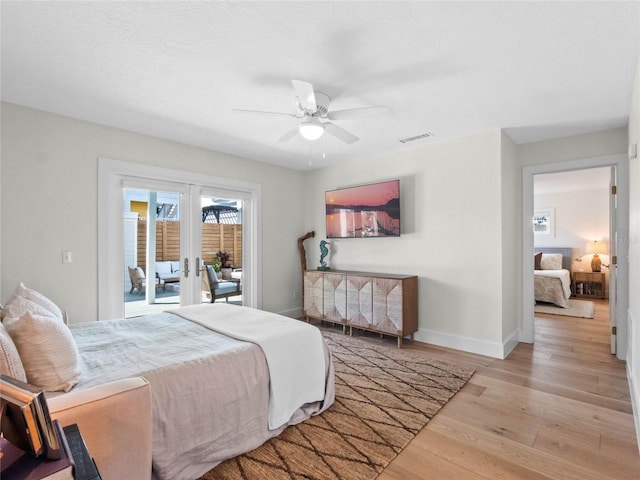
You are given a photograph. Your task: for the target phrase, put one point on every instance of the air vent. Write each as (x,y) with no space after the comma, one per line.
(417,137)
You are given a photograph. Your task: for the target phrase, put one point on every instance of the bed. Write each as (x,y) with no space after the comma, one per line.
(213,396)
(552,276)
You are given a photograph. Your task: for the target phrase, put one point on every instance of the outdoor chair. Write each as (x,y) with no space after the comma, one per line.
(139,280)
(216,288)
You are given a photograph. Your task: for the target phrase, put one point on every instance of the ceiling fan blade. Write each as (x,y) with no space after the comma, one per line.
(340,133)
(306,97)
(263,112)
(363,112)
(289,135)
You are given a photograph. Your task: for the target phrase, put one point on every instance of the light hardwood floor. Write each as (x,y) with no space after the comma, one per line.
(557,409)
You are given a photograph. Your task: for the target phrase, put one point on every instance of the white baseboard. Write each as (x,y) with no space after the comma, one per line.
(467,344)
(510,343)
(634,386)
(635,402)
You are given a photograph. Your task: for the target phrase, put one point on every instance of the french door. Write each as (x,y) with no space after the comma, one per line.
(115,180)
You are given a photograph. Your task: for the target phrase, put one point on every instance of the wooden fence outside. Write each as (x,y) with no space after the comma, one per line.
(215,237)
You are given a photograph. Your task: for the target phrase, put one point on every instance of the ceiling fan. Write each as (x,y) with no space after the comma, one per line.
(313,109)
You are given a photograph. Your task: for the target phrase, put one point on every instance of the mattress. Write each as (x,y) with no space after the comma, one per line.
(210,392)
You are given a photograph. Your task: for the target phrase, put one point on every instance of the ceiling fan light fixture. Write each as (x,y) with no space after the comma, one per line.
(311,130)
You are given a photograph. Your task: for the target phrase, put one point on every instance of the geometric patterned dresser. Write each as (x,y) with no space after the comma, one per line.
(383,303)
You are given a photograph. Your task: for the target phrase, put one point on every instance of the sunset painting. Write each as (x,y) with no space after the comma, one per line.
(365,211)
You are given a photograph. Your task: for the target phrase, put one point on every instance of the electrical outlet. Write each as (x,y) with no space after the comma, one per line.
(66,257)
(296,294)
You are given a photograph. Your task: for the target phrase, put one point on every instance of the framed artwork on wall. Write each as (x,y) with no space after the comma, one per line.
(544,222)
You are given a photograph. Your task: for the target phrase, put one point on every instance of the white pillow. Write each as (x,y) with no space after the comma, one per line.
(10,363)
(551,261)
(163,267)
(13,309)
(45,345)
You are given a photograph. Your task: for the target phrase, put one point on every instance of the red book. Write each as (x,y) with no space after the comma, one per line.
(16,464)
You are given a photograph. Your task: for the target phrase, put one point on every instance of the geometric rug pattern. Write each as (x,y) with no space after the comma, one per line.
(384,397)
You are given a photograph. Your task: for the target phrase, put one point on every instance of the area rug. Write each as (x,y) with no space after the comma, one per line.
(384,397)
(577,308)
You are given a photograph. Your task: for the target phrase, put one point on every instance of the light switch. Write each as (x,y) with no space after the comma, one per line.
(66,257)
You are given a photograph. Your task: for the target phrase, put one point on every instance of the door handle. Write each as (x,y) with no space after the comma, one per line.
(186,267)
(198,266)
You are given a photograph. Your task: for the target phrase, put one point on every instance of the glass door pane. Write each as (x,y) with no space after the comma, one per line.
(152,251)
(221,249)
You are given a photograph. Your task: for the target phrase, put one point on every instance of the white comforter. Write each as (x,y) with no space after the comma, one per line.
(209,392)
(300,347)
(553,286)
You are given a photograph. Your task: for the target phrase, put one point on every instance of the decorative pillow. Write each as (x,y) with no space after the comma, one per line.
(551,261)
(175,266)
(10,363)
(45,345)
(163,267)
(537,259)
(13,308)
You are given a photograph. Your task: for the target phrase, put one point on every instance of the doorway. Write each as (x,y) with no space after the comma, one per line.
(115,176)
(620,162)
(575,207)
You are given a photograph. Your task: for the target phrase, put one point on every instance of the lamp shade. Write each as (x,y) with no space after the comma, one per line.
(311,129)
(597,247)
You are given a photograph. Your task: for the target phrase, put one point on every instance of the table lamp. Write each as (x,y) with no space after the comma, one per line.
(596,248)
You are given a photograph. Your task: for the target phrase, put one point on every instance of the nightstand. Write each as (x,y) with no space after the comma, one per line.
(588,284)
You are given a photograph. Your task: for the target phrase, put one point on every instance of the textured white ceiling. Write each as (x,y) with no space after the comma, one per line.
(178,69)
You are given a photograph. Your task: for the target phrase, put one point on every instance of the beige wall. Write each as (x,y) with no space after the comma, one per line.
(461,220)
(452,235)
(575,147)
(511,242)
(461,228)
(49,204)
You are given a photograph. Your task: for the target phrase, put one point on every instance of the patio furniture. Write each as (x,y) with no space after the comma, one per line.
(168,271)
(139,280)
(216,288)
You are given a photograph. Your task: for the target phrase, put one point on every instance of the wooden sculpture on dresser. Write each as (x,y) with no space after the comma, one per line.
(303,258)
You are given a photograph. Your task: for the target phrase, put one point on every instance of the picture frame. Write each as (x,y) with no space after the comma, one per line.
(371,210)
(544,222)
(25,420)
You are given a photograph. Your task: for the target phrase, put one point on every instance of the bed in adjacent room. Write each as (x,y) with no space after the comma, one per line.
(552,276)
